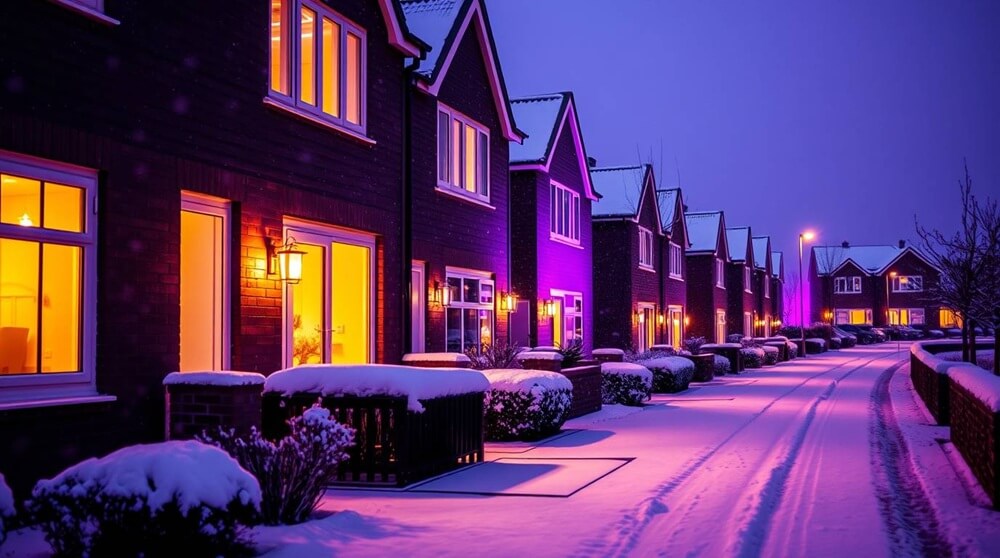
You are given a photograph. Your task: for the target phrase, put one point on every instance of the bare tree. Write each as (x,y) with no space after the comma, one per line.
(987,306)
(790,299)
(827,259)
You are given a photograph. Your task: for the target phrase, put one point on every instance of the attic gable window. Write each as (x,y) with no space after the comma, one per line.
(463,155)
(317,65)
(564,214)
(676,262)
(720,274)
(645,248)
(847,285)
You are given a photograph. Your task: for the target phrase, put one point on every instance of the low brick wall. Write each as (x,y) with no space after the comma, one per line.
(193,408)
(704,367)
(586,382)
(731,353)
(437,360)
(932,387)
(609,355)
(975,431)
(782,349)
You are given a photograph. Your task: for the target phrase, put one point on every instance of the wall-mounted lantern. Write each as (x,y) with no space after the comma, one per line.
(549,307)
(441,294)
(687,321)
(640,316)
(660,318)
(286,261)
(508,302)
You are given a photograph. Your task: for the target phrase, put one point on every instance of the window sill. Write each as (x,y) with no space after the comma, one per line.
(88,13)
(647,268)
(456,194)
(677,277)
(562,240)
(313,119)
(56,402)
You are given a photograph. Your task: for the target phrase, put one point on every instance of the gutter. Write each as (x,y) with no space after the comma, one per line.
(406,225)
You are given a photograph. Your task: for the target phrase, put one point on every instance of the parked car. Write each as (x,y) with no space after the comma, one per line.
(847,339)
(864,336)
(901,332)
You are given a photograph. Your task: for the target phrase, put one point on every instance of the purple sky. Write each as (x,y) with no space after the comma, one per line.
(849,117)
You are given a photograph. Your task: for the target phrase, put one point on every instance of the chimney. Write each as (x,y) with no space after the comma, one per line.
(902,244)
(845,244)
(591,162)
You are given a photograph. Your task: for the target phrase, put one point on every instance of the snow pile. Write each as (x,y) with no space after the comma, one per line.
(608,352)
(771,355)
(625,383)
(721,365)
(6,507)
(983,385)
(935,362)
(546,349)
(525,404)
(362,380)
(670,374)
(539,355)
(435,357)
(223,378)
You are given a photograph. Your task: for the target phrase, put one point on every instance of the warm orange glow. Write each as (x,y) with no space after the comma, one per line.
(20,199)
(353,79)
(25,221)
(808,235)
(687,320)
(202,291)
(350,320)
(307,56)
(63,208)
(331,67)
(557,323)
(307,308)
(279,47)
(892,274)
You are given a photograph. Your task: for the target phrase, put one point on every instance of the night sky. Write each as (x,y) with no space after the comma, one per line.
(849,118)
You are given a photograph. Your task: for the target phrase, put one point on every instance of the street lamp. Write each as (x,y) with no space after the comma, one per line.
(888,315)
(803,237)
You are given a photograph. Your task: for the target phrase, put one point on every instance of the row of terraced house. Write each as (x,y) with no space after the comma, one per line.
(189,186)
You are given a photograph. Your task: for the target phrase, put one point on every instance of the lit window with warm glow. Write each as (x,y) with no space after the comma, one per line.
(852,316)
(318,63)
(907,283)
(463,155)
(47,276)
(204,267)
(469,319)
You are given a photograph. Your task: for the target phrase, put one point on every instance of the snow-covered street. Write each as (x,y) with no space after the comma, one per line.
(829,455)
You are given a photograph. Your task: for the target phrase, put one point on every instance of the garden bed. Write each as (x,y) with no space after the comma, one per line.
(526,404)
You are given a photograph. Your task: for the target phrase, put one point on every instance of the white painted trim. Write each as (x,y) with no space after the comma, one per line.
(567,312)
(581,153)
(57,402)
(646,235)
(275,101)
(97,15)
(420,332)
(574,216)
(397,37)
(457,194)
(463,120)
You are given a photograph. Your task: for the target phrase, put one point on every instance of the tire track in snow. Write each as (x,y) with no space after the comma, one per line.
(627,532)
(909,519)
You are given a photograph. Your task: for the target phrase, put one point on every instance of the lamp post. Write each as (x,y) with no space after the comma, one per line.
(803,237)
(888,315)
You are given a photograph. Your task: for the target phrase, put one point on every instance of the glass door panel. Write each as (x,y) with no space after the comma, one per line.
(307,320)
(349,304)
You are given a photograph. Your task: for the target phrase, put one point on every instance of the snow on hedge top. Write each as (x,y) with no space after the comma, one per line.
(626,369)
(362,380)
(435,357)
(214,378)
(546,348)
(503,379)
(982,384)
(819,340)
(191,472)
(769,349)
(722,346)
(609,352)
(671,363)
(539,355)
(6,499)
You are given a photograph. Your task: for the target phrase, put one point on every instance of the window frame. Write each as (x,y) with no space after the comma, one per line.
(848,284)
(557,190)
(747,280)
(92,9)
(897,283)
(37,387)
(457,301)
(676,262)
(292,64)
(483,157)
(767,287)
(571,313)
(646,252)
(720,273)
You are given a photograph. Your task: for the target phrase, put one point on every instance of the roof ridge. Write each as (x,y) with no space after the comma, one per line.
(539,97)
(715,212)
(623,167)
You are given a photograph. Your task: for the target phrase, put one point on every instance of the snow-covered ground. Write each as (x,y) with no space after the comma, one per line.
(827,456)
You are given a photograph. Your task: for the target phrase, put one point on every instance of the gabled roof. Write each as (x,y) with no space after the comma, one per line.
(400,35)
(704,231)
(874,260)
(761,249)
(544,118)
(738,239)
(442,24)
(671,204)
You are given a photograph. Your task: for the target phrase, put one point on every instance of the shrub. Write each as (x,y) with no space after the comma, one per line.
(749,342)
(525,404)
(722,365)
(571,352)
(6,508)
(693,344)
(649,355)
(624,383)
(752,357)
(835,343)
(793,349)
(149,500)
(670,374)
(499,354)
(815,345)
(771,355)
(734,338)
(294,472)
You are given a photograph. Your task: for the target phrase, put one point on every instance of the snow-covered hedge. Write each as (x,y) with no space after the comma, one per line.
(984,358)
(753,357)
(155,500)
(223,378)
(6,507)
(362,380)
(294,472)
(815,345)
(625,383)
(771,355)
(793,349)
(670,374)
(722,365)
(456,358)
(525,404)
(608,352)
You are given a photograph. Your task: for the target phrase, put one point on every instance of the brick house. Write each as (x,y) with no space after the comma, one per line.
(874,285)
(627,258)
(777,288)
(459,204)
(762,271)
(706,260)
(551,233)
(740,301)
(146,194)
(672,278)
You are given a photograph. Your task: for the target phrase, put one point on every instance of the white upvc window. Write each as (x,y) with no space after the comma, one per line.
(908,284)
(767,287)
(48,278)
(318,64)
(847,285)
(564,214)
(720,273)
(852,316)
(748,324)
(463,155)
(469,317)
(204,282)
(747,280)
(645,248)
(676,262)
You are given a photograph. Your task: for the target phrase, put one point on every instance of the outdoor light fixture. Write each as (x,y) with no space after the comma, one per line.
(286,261)
(639,316)
(547,307)
(508,302)
(888,279)
(687,321)
(660,318)
(803,237)
(442,294)
(25,221)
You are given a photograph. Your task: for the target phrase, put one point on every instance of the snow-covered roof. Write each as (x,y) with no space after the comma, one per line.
(776,269)
(761,244)
(538,117)
(871,259)
(667,202)
(621,191)
(703,230)
(738,238)
(432,21)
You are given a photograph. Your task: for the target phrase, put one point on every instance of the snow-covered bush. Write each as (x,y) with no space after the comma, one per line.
(571,352)
(525,404)
(625,383)
(984,359)
(753,357)
(692,344)
(771,355)
(294,472)
(649,354)
(793,349)
(722,365)
(734,338)
(670,374)
(149,500)
(835,343)
(815,345)
(6,508)
(499,354)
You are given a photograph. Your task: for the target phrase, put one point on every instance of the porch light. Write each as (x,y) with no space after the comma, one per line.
(508,302)
(441,294)
(288,260)
(641,317)
(687,321)
(660,319)
(550,307)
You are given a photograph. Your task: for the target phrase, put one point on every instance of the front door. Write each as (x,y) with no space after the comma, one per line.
(647,326)
(720,326)
(675,323)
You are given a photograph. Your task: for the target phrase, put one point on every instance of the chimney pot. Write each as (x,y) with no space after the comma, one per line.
(591,162)
(845,244)
(902,244)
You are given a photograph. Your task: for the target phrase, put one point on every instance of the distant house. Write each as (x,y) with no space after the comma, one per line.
(627,258)
(874,285)
(740,282)
(762,307)
(777,288)
(672,276)
(460,132)
(706,260)
(551,233)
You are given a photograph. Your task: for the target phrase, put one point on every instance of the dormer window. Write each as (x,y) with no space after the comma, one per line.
(463,155)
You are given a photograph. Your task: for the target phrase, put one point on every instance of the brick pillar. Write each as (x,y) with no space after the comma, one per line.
(609,355)
(194,404)
(437,360)
(540,360)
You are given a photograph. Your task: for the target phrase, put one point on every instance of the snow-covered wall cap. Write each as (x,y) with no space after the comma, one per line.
(362,380)
(547,348)
(516,379)
(539,355)
(626,369)
(770,349)
(435,357)
(722,346)
(609,352)
(931,360)
(225,378)
(983,385)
